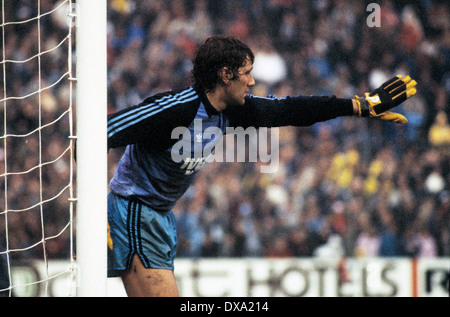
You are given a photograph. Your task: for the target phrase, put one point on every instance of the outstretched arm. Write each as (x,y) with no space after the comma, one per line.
(307,110)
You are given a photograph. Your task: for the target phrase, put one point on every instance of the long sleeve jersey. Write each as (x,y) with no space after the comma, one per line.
(148,172)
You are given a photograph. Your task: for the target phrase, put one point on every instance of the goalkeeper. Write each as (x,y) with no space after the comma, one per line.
(148,181)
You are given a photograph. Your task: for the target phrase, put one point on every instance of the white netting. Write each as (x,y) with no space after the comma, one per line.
(36,144)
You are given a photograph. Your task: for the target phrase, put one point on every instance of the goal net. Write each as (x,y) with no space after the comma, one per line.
(36,146)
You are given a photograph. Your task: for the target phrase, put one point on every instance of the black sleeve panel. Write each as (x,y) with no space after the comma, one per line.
(288,111)
(151,122)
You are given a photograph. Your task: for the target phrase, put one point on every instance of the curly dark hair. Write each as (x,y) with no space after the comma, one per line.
(214,54)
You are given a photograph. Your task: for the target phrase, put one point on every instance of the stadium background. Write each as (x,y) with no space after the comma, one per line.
(348,187)
(381,188)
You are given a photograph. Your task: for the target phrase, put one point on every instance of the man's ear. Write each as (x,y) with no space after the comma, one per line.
(225,74)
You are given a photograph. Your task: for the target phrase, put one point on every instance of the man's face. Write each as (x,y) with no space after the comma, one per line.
(239,88)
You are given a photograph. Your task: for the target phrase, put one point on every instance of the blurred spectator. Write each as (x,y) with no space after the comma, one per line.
(278,248)
(439,134)
(300,242)
(368,241)
(421,244)
(269,67)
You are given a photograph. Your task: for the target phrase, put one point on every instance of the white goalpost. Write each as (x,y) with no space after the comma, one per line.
(52,209)
(91,147)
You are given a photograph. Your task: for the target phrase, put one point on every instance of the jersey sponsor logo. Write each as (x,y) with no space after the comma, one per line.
(194,148)
(192,165)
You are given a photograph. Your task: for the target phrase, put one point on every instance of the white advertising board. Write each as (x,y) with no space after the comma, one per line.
(303,277)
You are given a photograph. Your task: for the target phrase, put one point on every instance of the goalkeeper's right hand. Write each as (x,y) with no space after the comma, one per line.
(389,95)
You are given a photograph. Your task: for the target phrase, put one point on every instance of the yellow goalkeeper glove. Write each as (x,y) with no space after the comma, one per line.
(389,95)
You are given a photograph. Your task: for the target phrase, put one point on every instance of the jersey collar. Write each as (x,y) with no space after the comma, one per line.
(210,110)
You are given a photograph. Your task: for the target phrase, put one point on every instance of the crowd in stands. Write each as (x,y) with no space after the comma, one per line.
(34,145)
(345,187)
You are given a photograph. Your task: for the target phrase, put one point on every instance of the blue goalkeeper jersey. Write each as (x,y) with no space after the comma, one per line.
(159,178)
(167,138)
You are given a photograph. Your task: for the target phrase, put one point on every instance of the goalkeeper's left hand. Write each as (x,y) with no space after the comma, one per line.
(389,95)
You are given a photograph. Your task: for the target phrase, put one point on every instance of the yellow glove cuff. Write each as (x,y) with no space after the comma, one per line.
(365,107)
